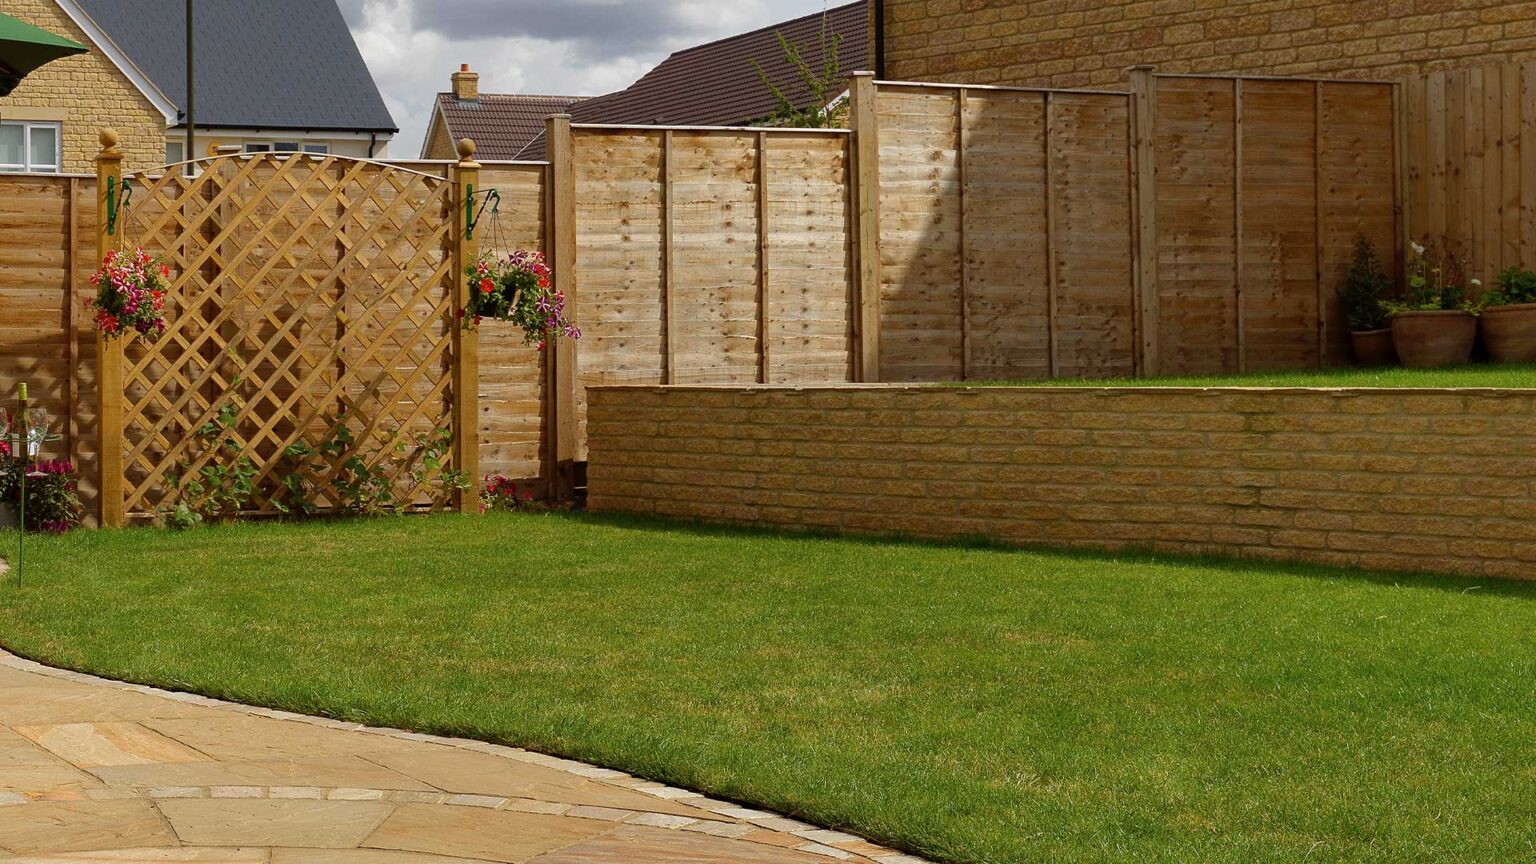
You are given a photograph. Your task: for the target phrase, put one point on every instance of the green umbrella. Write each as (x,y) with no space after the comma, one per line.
(23,48)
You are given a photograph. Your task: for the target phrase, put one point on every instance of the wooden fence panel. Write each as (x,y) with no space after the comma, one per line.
(1093,313)
(1357,194)
(1470,163)
(921,250)
(808,261)
(1005,233)
(711,186)
(1279,225)
(1008,244)
(512,385)
(1263,185)
(1196,143)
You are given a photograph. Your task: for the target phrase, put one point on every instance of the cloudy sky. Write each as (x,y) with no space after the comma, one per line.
(553,47)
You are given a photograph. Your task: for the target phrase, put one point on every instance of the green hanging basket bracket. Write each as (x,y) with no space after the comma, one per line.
(472,216)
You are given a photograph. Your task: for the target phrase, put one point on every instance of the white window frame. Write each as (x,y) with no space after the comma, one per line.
(26,166)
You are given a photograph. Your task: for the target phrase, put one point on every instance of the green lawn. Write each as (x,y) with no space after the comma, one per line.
(1455,376)
(973,704)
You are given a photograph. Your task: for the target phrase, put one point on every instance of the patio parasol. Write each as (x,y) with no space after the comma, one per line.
(23,48)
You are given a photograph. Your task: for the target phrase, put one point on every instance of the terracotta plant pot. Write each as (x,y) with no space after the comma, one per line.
(1438,337)
(1510,333)
(1373,347)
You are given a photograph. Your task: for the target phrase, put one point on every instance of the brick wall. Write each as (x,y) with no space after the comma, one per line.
(86,92)
(1075,43)
(1433,480)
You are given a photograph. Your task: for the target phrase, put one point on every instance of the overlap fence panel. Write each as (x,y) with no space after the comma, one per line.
(1261,188)
(1470,167)
(512,373)
(711,255)
(310,301)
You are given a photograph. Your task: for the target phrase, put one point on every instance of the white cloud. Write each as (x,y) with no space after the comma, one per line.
(570,48)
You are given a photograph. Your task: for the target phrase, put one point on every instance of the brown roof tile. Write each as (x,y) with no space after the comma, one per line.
(501,125)
(717,85)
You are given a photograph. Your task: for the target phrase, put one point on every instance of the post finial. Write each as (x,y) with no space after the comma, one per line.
(466,150)
(109,139)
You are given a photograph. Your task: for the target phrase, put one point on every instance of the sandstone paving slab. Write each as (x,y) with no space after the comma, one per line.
(503,836)
(469,773)
(353,772)
(148,856)
(72,826)
(40,705)
(360,856)
(101,745)
(262,822)
(241,738)
(640,845)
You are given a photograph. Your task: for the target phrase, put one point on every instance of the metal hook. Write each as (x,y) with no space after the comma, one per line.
(118,200)
(473,216)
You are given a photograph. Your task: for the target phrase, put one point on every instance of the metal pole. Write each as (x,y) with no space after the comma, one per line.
(191,99)
(26,458)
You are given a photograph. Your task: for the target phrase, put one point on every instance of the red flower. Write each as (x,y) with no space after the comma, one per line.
(165,271)
(487,286)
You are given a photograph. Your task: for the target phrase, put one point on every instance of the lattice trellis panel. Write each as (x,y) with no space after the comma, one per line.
(307,295)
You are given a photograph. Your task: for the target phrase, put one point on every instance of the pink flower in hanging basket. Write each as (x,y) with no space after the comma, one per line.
(130,294)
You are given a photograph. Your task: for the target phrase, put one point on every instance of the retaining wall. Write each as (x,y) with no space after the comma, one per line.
(1429,480)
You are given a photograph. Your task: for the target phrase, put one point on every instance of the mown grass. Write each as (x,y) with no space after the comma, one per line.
(973,704)
(1506,376)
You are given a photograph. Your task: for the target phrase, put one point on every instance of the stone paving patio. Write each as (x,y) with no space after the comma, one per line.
(99,771)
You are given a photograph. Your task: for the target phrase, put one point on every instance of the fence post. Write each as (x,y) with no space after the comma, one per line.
(109,352)
(1143,142)
(560,360)
(466,343)
(866,196)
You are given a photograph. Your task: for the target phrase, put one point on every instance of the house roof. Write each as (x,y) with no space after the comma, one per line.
(501,125)
(717,84)
(274,64)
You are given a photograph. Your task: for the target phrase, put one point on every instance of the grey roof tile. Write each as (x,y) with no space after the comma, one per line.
(270,64)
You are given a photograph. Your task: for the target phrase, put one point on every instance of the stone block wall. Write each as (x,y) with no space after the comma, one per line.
(1079,43)
(1418,480)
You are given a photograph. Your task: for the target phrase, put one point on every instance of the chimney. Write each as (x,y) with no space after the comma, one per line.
(466,85)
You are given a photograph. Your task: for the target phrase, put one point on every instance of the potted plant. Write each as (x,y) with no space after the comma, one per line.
(1364,297)
(1436,324)
(1509,317)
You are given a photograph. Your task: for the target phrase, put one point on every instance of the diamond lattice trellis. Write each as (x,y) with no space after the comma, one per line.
(307,294)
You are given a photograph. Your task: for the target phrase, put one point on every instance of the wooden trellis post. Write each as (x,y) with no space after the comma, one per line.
(466,343)
(109,352)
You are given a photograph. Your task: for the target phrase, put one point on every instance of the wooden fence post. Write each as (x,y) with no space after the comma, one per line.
(1144,141)
(466,342)
(866,196)
(560,361)
(109,352)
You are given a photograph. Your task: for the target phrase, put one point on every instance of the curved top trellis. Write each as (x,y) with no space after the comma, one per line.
(307,293)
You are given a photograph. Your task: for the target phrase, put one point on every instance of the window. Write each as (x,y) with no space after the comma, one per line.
(258,148)
(31,147)
(285,147)
(318,149)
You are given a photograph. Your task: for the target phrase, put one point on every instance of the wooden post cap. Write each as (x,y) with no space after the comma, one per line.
(109,139)
(466,150)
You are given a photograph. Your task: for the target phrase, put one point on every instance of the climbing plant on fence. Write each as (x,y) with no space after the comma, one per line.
(311,332)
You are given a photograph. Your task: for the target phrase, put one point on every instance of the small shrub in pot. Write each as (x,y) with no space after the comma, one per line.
(1436,324)
(1509,317)
(1364,295)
